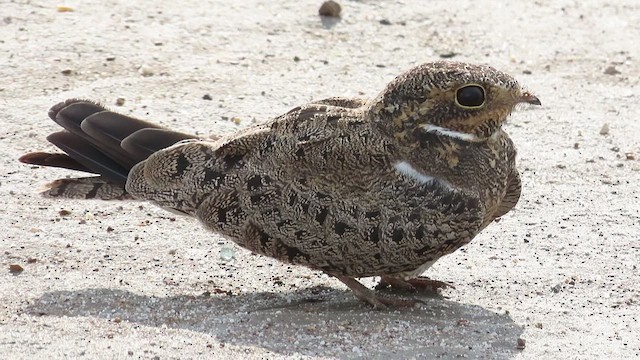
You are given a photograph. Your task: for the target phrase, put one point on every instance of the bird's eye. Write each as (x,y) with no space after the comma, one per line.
(470,96)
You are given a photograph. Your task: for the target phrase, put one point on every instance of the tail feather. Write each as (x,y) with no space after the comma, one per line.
(70,114)
(96,140)
(53,160)
(106,130)
(145,142)
(91,157)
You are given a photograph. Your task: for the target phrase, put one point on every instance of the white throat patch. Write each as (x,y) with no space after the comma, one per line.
(409,171)
(448,132)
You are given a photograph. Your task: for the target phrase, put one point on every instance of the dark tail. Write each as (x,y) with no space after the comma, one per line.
(98,141)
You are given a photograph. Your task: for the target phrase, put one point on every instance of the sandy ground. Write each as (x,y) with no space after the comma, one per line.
(126,280)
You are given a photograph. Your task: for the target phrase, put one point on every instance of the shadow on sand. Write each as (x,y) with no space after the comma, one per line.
(331,324)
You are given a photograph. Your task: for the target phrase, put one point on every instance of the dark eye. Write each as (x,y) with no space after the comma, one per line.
(470,96)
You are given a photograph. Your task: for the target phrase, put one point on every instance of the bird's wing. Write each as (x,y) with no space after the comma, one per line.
(511,197)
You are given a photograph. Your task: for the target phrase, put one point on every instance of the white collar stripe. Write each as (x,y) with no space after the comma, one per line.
(448,132)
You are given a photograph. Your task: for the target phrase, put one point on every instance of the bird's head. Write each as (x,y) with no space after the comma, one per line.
(464,101)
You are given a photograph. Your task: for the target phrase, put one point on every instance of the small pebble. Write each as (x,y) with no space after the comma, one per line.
(66,72)
(604,130)
(32,260)
(62,8)
(146,71)
(611,70)
(227,253)
(520,344)
(330,8)
(385,22)
(527,72)
(15,269)
(64,212)
(630,156)
(206,97)
(448,55)
(576,145)
(120,101)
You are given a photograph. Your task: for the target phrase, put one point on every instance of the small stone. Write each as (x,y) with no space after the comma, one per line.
(66,72)
(109,229)
(146,71)
(448,54)
(538,325)
(130,352)
(611,70)
(236,120)
(576,145)
(120,101)
(630,156)
(520,344)
(296,58)
(385,22)
(15,269)
(227,253)
(527,72)
(172,252)
(63,8)
(111,58)
(330,8)
(117,320)
(32,260)
(64,212)
(206,97)
(604,130)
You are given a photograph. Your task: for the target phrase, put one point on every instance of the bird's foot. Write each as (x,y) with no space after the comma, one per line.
(413,285)
(377,301)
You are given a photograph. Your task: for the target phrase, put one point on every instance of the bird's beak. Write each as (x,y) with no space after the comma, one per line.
(529,98)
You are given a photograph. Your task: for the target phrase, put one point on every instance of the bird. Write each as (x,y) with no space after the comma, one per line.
(352,187)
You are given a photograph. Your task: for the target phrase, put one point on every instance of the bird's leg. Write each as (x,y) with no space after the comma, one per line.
(412,285)
(365,294)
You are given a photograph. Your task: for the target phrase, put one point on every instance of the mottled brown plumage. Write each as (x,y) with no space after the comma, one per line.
(351,187)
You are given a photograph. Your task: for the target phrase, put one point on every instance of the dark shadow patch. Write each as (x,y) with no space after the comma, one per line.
(301,320)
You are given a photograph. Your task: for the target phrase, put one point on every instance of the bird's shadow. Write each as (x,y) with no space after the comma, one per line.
(331,324)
